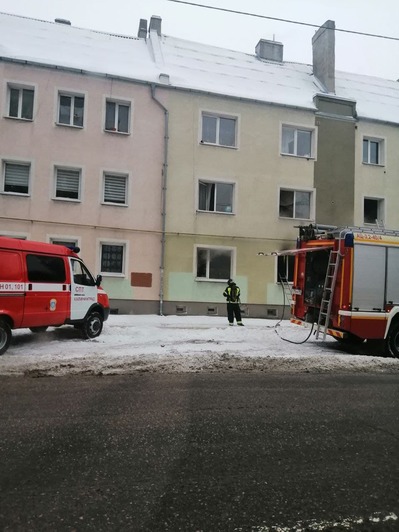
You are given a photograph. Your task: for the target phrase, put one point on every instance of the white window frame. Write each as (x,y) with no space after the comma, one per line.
(381,142)
(20,87)
(13,234)
(296,190)
(27,164)
(118,102)
(111,174)
(218,116)
(216,183)
(70,240)
(72,96)
(297,128)
(61,167)
(110,242)
(210,248)
(380,210)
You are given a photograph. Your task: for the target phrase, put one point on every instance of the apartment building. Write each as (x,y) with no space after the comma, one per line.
(173,164)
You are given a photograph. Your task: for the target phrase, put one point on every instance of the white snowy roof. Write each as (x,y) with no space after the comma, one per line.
(189,65)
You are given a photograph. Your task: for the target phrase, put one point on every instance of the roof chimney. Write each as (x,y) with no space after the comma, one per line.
(269,50)
(155,24)
(323,43)
(142,32)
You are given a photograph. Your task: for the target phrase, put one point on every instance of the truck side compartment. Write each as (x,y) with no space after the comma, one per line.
(346,283)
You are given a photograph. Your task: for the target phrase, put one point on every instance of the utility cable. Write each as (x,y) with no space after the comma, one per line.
(282,318)
(256,15)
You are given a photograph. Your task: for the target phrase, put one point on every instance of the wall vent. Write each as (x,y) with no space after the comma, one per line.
(212,311)
(244,310)
(181,309)
(271,313)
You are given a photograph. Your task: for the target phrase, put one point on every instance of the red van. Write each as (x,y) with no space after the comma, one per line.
(43,285)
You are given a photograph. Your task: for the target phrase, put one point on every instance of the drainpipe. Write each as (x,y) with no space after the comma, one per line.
(164,186)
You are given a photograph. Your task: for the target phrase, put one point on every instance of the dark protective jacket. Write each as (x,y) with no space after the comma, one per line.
(232,293)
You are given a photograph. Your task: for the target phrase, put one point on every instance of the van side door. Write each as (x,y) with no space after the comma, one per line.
(83,289)
(47,298)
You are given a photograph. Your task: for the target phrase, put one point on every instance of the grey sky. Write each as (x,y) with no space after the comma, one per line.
(364,55)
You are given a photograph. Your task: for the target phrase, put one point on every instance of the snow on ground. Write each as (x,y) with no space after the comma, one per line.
(138,343)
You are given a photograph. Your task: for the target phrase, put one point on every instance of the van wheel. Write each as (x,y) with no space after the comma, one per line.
(5,336)
(38,329)
(92,326)
(392,341)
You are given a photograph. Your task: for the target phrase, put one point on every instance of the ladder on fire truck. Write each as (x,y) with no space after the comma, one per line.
(328,292)
(286,286)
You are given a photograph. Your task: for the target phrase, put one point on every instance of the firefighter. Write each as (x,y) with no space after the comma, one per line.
(232,295)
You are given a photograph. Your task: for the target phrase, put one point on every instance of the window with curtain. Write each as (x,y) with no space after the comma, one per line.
(115,189)
(70,110)
(117,116)
(215,197)
(16,178)
(67,183)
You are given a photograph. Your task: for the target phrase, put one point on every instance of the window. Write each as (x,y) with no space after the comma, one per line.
(295,204)
(71,244)
(42,268)
(117,116)
(373,211)
(112,258)
(67,183)
(115,189)
(219,130)
(81,274)
(21,102)
(214,263)
(285,268)
(16,178)
(296,141)
(215,197)
(70,110)
(373,151)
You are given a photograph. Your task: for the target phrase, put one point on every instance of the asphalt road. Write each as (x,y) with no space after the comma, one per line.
(196,452)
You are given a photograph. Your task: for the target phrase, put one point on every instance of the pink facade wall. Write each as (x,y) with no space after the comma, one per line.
(45,144)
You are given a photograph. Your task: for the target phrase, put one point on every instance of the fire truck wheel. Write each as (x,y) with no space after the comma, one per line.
(392,341)
(92,326)
(38,329)
(5,336)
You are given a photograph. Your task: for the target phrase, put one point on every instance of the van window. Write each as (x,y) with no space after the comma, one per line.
(81,274)
(45,269)
(10,266)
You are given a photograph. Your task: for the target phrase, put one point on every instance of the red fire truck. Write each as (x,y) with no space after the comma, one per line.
(346,283)
(44,285)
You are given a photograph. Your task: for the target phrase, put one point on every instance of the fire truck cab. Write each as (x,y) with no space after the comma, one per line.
(346,282)
(44,285)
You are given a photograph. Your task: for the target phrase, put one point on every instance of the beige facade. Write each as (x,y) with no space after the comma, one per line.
(257,170)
